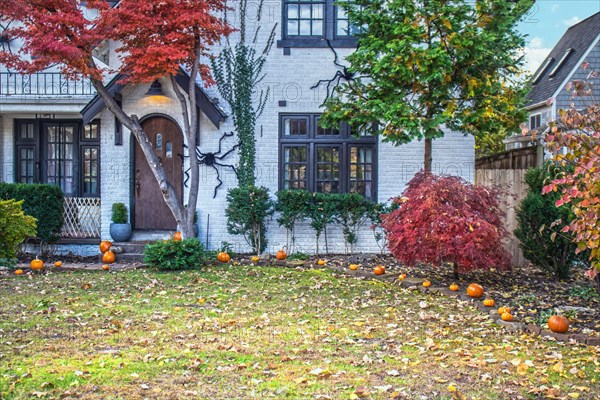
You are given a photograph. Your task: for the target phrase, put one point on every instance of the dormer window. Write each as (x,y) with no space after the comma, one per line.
(541,71)
(560,63)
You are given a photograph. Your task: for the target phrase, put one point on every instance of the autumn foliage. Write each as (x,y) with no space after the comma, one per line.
(443,219)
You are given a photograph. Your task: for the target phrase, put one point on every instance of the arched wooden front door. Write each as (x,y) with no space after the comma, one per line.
(151,211)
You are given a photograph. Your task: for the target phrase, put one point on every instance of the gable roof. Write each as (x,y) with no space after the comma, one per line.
(579,38)
(210,109)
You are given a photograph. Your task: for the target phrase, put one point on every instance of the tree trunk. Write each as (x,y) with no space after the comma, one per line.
(455,271)
(428,154)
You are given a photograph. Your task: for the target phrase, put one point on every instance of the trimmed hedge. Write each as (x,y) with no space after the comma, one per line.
(172,255)
(41,201)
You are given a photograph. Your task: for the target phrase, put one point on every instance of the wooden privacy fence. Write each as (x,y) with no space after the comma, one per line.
(512,182)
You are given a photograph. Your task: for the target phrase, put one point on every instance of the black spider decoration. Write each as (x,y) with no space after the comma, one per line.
(5,39)
(213,160)
(344,74)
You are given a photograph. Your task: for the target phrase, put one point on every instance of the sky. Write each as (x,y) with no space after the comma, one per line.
(546,23)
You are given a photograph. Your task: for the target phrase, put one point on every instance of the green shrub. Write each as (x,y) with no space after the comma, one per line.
(42,202)
(247,210)
(375,214)
(293,207)
(541,240)
(175,254)
(352,211)
(15,227)
(119,213)
(321,213)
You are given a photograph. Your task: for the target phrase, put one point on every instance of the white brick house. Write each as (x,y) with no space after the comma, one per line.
(30,114)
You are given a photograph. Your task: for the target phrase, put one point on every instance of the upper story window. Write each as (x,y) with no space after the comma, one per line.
(309,23)
(535,121)
(326,160)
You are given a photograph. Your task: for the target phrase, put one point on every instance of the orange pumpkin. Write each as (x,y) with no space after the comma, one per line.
(558,324)
(489,303)
(223,257)
(177,236)
(36,264)
(19,272)
(281,255)
(108,257)
(503,310)
(402,277)
(105,246)
(506,317)
(454,287)
(321,262)
(105,267)
(475,290)
(58,264)
(353,267)
(379,270)
(426,283)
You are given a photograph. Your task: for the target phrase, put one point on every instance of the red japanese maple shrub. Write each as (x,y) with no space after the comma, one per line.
(444,219)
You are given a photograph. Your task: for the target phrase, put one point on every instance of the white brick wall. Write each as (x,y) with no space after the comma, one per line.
(289,78)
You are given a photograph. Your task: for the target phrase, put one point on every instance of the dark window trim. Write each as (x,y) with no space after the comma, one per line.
(329,29)
(345,140)
(41,151)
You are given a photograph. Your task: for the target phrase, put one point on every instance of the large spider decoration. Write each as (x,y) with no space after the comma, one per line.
(214,160)
(344,74)
(5,39)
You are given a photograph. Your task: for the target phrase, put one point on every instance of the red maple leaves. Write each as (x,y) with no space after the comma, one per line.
(443,219)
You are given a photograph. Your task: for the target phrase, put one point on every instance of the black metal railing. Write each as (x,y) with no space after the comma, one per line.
(44,84)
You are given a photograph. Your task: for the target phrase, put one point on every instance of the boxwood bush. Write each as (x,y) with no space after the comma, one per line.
(175,254)
(41,201)
(15,227)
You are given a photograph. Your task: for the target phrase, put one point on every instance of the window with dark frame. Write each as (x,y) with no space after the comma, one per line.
(535,121)
(306,23)
(326,160)
(59,152)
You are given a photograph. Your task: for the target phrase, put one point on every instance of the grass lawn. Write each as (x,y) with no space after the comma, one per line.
(259,332)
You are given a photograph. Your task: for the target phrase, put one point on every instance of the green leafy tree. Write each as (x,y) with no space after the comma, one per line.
(322,213)
(421,65)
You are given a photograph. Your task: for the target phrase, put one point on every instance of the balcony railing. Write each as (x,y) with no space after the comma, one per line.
(44,84)
(82,217)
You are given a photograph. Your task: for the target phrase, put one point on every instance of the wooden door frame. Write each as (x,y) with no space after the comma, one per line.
(132,144)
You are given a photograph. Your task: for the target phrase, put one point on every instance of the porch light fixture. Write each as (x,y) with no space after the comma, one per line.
(155,89)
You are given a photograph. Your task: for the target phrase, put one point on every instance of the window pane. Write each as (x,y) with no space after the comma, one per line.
(328,169)
(361,170)
(293,11)
(304,18)
(292,27)
(305,27)
(295,167)
(91,131)
(159,141)
(294,126)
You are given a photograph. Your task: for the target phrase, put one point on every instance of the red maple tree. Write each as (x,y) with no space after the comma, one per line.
(444,219)
(156,39)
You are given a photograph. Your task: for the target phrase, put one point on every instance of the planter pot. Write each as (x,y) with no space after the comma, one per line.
(120,232)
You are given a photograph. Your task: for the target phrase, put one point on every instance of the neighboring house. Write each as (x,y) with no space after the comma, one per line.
(57,131)
(581,43)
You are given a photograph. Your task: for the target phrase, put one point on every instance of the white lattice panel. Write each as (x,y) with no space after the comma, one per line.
(82,217)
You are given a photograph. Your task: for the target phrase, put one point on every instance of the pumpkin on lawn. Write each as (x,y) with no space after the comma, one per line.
(558,324)
(402,277)
(426,283)
(454,287)
(254,258)
(475,290)
(105,267)
(177,236)
(489,303)
(379,270)
(281,255)
(223,257)
(19,272)
(321,262)
(353,267)
(506,317)
(36,264)
(503,310)
(105,246)
(58,264)
(108,257)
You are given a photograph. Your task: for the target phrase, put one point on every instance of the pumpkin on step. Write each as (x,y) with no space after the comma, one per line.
(177,236)
(105,245)
(108,257)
